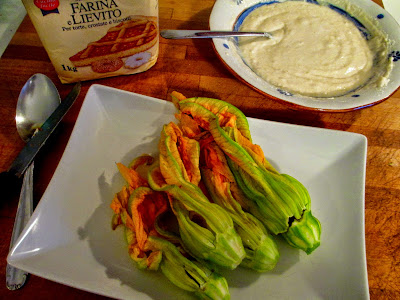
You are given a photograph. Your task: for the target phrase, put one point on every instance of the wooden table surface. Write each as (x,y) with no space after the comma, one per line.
(192,67)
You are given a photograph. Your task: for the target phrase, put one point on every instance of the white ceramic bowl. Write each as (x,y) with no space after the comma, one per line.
(228,15)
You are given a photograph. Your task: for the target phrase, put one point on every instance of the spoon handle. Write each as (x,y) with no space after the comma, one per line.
(192,34)
(15,278)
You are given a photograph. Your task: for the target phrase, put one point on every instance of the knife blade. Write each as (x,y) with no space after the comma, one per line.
(32,147)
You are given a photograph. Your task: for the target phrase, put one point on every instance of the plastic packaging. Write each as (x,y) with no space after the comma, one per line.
(91,39)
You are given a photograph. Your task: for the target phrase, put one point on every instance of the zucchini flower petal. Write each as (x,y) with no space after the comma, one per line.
(150,250)
(278,199)
(282,197)
(206,229)
(189,275)
(179,156)
(221,108)
(261,250)
(144,206)
(304,233)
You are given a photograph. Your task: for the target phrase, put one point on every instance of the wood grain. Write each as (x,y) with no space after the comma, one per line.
(192,67)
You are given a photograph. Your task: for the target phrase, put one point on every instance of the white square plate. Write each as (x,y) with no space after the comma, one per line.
(69,237)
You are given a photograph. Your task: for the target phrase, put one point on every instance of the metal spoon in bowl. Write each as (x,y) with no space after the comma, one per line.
(192,34)
(36,102)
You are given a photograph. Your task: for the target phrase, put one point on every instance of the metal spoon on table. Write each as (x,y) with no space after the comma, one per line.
(192,34)
(36,102)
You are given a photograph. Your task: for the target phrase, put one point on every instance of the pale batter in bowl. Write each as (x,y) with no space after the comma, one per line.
(316,51)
